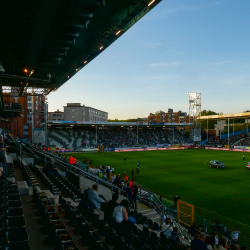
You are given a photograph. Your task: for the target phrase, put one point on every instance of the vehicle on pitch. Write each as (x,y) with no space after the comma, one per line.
(248,166)
(216,164)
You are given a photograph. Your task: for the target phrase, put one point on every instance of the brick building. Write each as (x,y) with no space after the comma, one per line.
(169,117)
(56,116)
(22,126)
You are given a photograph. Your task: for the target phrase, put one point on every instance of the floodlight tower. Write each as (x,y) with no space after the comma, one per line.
(194,100)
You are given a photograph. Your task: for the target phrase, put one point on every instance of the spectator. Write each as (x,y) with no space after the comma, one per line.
(134,196)
(208,243)
(93,196)
(199,244)
(50,165)
(100,175)
(118,181)
(121,212)
(175,237)
(222,244)
(113,178)
(214,239)
(54,171)
(131,182)
(129,194)
(235,247)
(235,236)
(166,228)
(2,148)
(110,207)
(193,230)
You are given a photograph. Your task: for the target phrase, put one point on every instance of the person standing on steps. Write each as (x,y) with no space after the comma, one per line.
(134,195)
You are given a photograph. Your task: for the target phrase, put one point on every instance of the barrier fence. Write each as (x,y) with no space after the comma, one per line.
(185,213)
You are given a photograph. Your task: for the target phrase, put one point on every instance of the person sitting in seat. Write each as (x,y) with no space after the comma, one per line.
(175,239)
(121,212)
(193,230)
(110,207)
(166,228)
(221,244)
(199,244)
(93,196)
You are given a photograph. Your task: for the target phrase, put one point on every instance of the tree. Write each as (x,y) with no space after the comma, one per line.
(158,112)
(211,123)
(128,120)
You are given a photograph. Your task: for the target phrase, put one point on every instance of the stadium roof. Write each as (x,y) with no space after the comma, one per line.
(125,124)
(226,116)
(44,43)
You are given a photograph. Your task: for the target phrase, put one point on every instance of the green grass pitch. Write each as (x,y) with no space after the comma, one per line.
(221,193)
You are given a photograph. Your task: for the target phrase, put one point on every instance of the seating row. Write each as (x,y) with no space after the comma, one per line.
(29,176)
(9,166)
(66,186)
(49,184)
(59,238)
(12,224)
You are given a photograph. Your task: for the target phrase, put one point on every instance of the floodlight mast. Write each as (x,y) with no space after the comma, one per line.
(194,105)
(194,100)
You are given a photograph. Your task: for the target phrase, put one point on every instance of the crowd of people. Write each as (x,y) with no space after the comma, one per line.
(237,140)
(115,137)
(203,241)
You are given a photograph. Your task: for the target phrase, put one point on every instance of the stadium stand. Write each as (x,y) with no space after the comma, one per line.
(235,140)
(113,137)
(70,219)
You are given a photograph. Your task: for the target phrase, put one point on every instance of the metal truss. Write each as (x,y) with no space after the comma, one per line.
(39,114)
(21,91)
(106,35)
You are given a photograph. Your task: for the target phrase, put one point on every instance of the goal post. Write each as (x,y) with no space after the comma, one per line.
(185,213)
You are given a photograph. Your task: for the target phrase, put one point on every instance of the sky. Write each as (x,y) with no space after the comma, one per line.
(178,47)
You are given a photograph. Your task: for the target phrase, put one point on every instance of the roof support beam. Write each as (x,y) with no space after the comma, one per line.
(79,14)
(42,28)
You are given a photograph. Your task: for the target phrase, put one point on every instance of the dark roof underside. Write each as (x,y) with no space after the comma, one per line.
(59,37)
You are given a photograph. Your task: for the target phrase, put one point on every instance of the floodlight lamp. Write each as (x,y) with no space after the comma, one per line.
(118,32)
(101,48)
(192,96)
(151,3)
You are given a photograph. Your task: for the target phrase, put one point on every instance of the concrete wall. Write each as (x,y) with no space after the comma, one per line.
(76,115)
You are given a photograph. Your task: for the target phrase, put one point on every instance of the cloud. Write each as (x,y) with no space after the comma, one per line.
(165,64)
(175,52)
(218,63)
